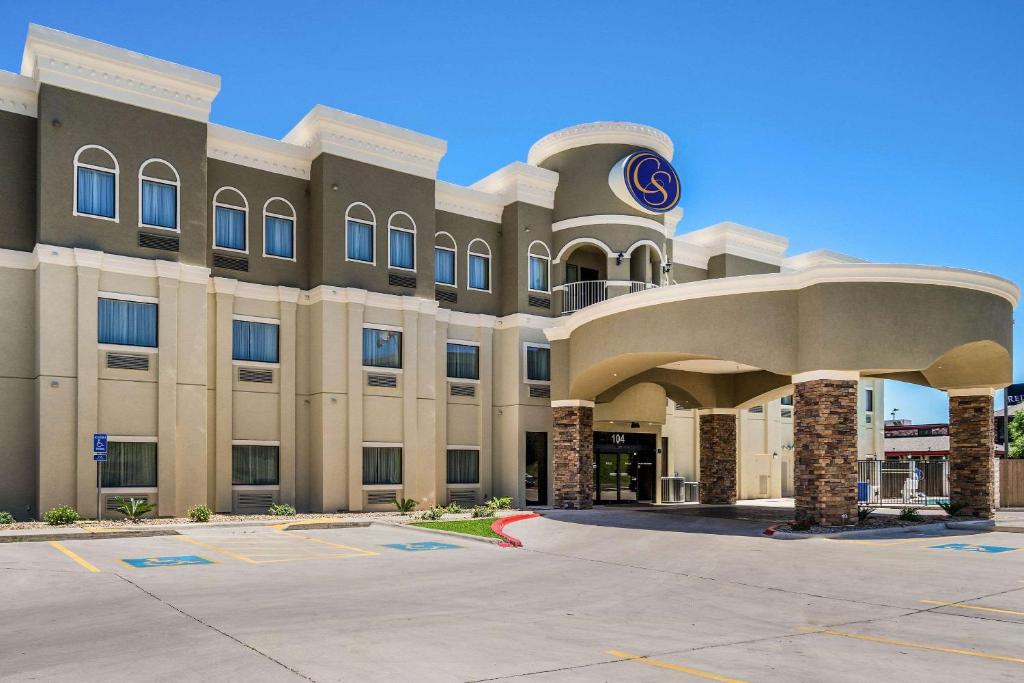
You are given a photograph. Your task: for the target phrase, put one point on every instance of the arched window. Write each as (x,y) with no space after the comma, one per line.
(230,220)
(540,267)
(478,275)
(444,259)
(96,177)
(360,229)
(158,195)
(401,241)
(279,229)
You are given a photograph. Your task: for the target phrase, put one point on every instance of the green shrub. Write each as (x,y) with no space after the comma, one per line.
(864,512)
(62,514)
(200,513)
(483,511)
(909,514)
(500,504)
(133,508)
(953,508)
(281,510)
(6,517)
(405,505)
(435,513)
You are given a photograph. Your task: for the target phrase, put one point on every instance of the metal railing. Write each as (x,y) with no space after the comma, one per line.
(902,482)
(579,295)
(678,490)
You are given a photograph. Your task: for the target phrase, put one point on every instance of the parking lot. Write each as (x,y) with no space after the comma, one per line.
(603,595)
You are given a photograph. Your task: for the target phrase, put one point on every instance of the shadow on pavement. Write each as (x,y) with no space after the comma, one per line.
(726,520)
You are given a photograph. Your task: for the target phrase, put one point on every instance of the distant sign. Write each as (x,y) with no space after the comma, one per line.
(1014,394)
(99,444)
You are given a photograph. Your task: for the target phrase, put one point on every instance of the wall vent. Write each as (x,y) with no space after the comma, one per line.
(111,506)
(396,280)
(446,296)
(466,498)
(539,301)
(787,412)
(463,390)
(381,497)
(762,484)
(386,380)
(540,391)
(128,361)
(165,242)
(256,375)
(253,502)
(231,262)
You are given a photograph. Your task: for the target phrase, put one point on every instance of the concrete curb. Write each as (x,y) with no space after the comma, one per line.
(84,535)
(453,534)
(498,527)
(892,532)
(313,525)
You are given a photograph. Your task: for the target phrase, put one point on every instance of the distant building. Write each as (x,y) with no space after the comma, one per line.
(906,440)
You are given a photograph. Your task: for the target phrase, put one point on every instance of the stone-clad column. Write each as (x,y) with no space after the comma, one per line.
(718,456)
(573,454)
(972,460)
(825,447)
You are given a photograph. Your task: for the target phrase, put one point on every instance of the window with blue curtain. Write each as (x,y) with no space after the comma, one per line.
(96,192)
(538,363)
(130,323)
(444,266)
(277,235)
(360,241)
(229,228)
(159,204)
(538,274)
(403,249)
(254,341)
(382,465)
(463,361)
(463,466)
(254,465)
(382,348)
(479,272)
(129,463)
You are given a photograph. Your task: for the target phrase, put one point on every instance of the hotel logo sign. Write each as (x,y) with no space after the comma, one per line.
(646,180)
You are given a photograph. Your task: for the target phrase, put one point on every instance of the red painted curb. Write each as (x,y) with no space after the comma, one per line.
(499,524)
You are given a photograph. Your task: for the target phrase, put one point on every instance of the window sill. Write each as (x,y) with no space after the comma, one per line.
(128,489)
(539,382)
(382,487)
(463,487)
(461,380)
(374,368)
(255,363)
(128,348)
(143,226)
(255,487)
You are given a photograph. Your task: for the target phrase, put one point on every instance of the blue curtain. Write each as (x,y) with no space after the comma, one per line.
(159,204)
(360,241)
(538,274)
(463,361)
(129,463)
(538,363)
(95,192)
(254,465)
(127,322)
(463,466)
(254,341)
(382,465)
(479,278)
(402,249)
(278,237)
(444,266)
(382,348)
(230,228)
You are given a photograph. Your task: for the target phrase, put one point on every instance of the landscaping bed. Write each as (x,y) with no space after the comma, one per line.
(478,526)
(871,523)
(214,519)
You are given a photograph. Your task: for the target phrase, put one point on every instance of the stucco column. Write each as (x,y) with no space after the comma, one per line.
(972,463)
(573,457)
(718,456)
(485,415)
(289,296)
(88,263)
(354,374)
(220,481)
(167,391)
(825,447)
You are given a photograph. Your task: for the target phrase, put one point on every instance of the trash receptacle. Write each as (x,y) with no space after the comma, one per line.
(863,491)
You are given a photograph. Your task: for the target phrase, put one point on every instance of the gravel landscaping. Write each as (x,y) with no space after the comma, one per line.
(215,519)
(871,523)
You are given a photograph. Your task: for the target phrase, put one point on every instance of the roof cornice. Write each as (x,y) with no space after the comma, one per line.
(17,94)
(739,240)
(519,182)
(465,201)
(255,151)
(817,257)
(601,133)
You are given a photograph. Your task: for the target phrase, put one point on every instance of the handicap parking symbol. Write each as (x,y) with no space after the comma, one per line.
(422,545)
(971,548)
(177,561)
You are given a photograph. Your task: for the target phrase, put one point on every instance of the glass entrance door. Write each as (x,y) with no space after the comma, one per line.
(536,468)
(624,467)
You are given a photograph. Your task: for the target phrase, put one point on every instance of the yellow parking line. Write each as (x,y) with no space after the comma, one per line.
(640,659)
(960,605)
(919,646)
(216,549)
(74,556)
(337,545)
(274,550)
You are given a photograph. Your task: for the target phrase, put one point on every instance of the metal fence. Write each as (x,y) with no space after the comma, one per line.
(902,482)
(678,490)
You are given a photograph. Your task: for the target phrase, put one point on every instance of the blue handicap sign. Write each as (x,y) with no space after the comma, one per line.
(99,444)
(971,548)
(177,561)
(421,545)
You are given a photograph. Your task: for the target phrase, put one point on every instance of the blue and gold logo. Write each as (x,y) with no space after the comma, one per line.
(646,179)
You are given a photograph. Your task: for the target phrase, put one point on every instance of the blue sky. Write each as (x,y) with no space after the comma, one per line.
(887,130)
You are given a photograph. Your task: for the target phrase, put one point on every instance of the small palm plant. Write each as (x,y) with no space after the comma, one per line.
(405,505)
(133,508)
(953,508)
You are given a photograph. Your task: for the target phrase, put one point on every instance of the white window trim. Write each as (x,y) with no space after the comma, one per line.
(526,378)
(131,439)
(457,447)
(255,363)
(462,380)
(385,328)
(258,487)
(117,183)
(455,258)
(256,319)
(293,218)
(373,233)
(383,444)
(138,298)
(126,348)
(384,487)
(255,442)
(177,193)
(470,252)
(463,487)
(129,490)
(547,259)
(244,209)
(396,227)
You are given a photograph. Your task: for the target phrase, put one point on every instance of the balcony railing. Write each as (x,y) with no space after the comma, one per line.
(579,295)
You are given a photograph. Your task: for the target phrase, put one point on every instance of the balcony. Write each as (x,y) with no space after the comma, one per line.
(579,295)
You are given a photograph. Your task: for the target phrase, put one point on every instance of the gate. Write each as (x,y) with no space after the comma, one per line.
(1011,483)
(902,482)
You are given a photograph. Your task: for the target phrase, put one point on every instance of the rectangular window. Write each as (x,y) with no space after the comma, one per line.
(479,272)
(538,363)
(463,361)
(159,205)
(254,341)
(538,274)
(403,249)
(278,237)
(787,400)
(130,323)
(382,348)
(96,193)
(129,464)
(869,400)
(463,466)
(444,266)
(254,465)
(230,228)
(360,241)
(382,465)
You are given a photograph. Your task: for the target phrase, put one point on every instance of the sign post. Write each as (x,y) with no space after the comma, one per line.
(99,454)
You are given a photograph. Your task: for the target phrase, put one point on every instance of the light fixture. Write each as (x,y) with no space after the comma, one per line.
(634,425)
(618,259)
(334,187)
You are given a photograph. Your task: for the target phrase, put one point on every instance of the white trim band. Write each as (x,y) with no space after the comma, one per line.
(609,219)
(572,403)
(973,391)
(600,133)
(813,375)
